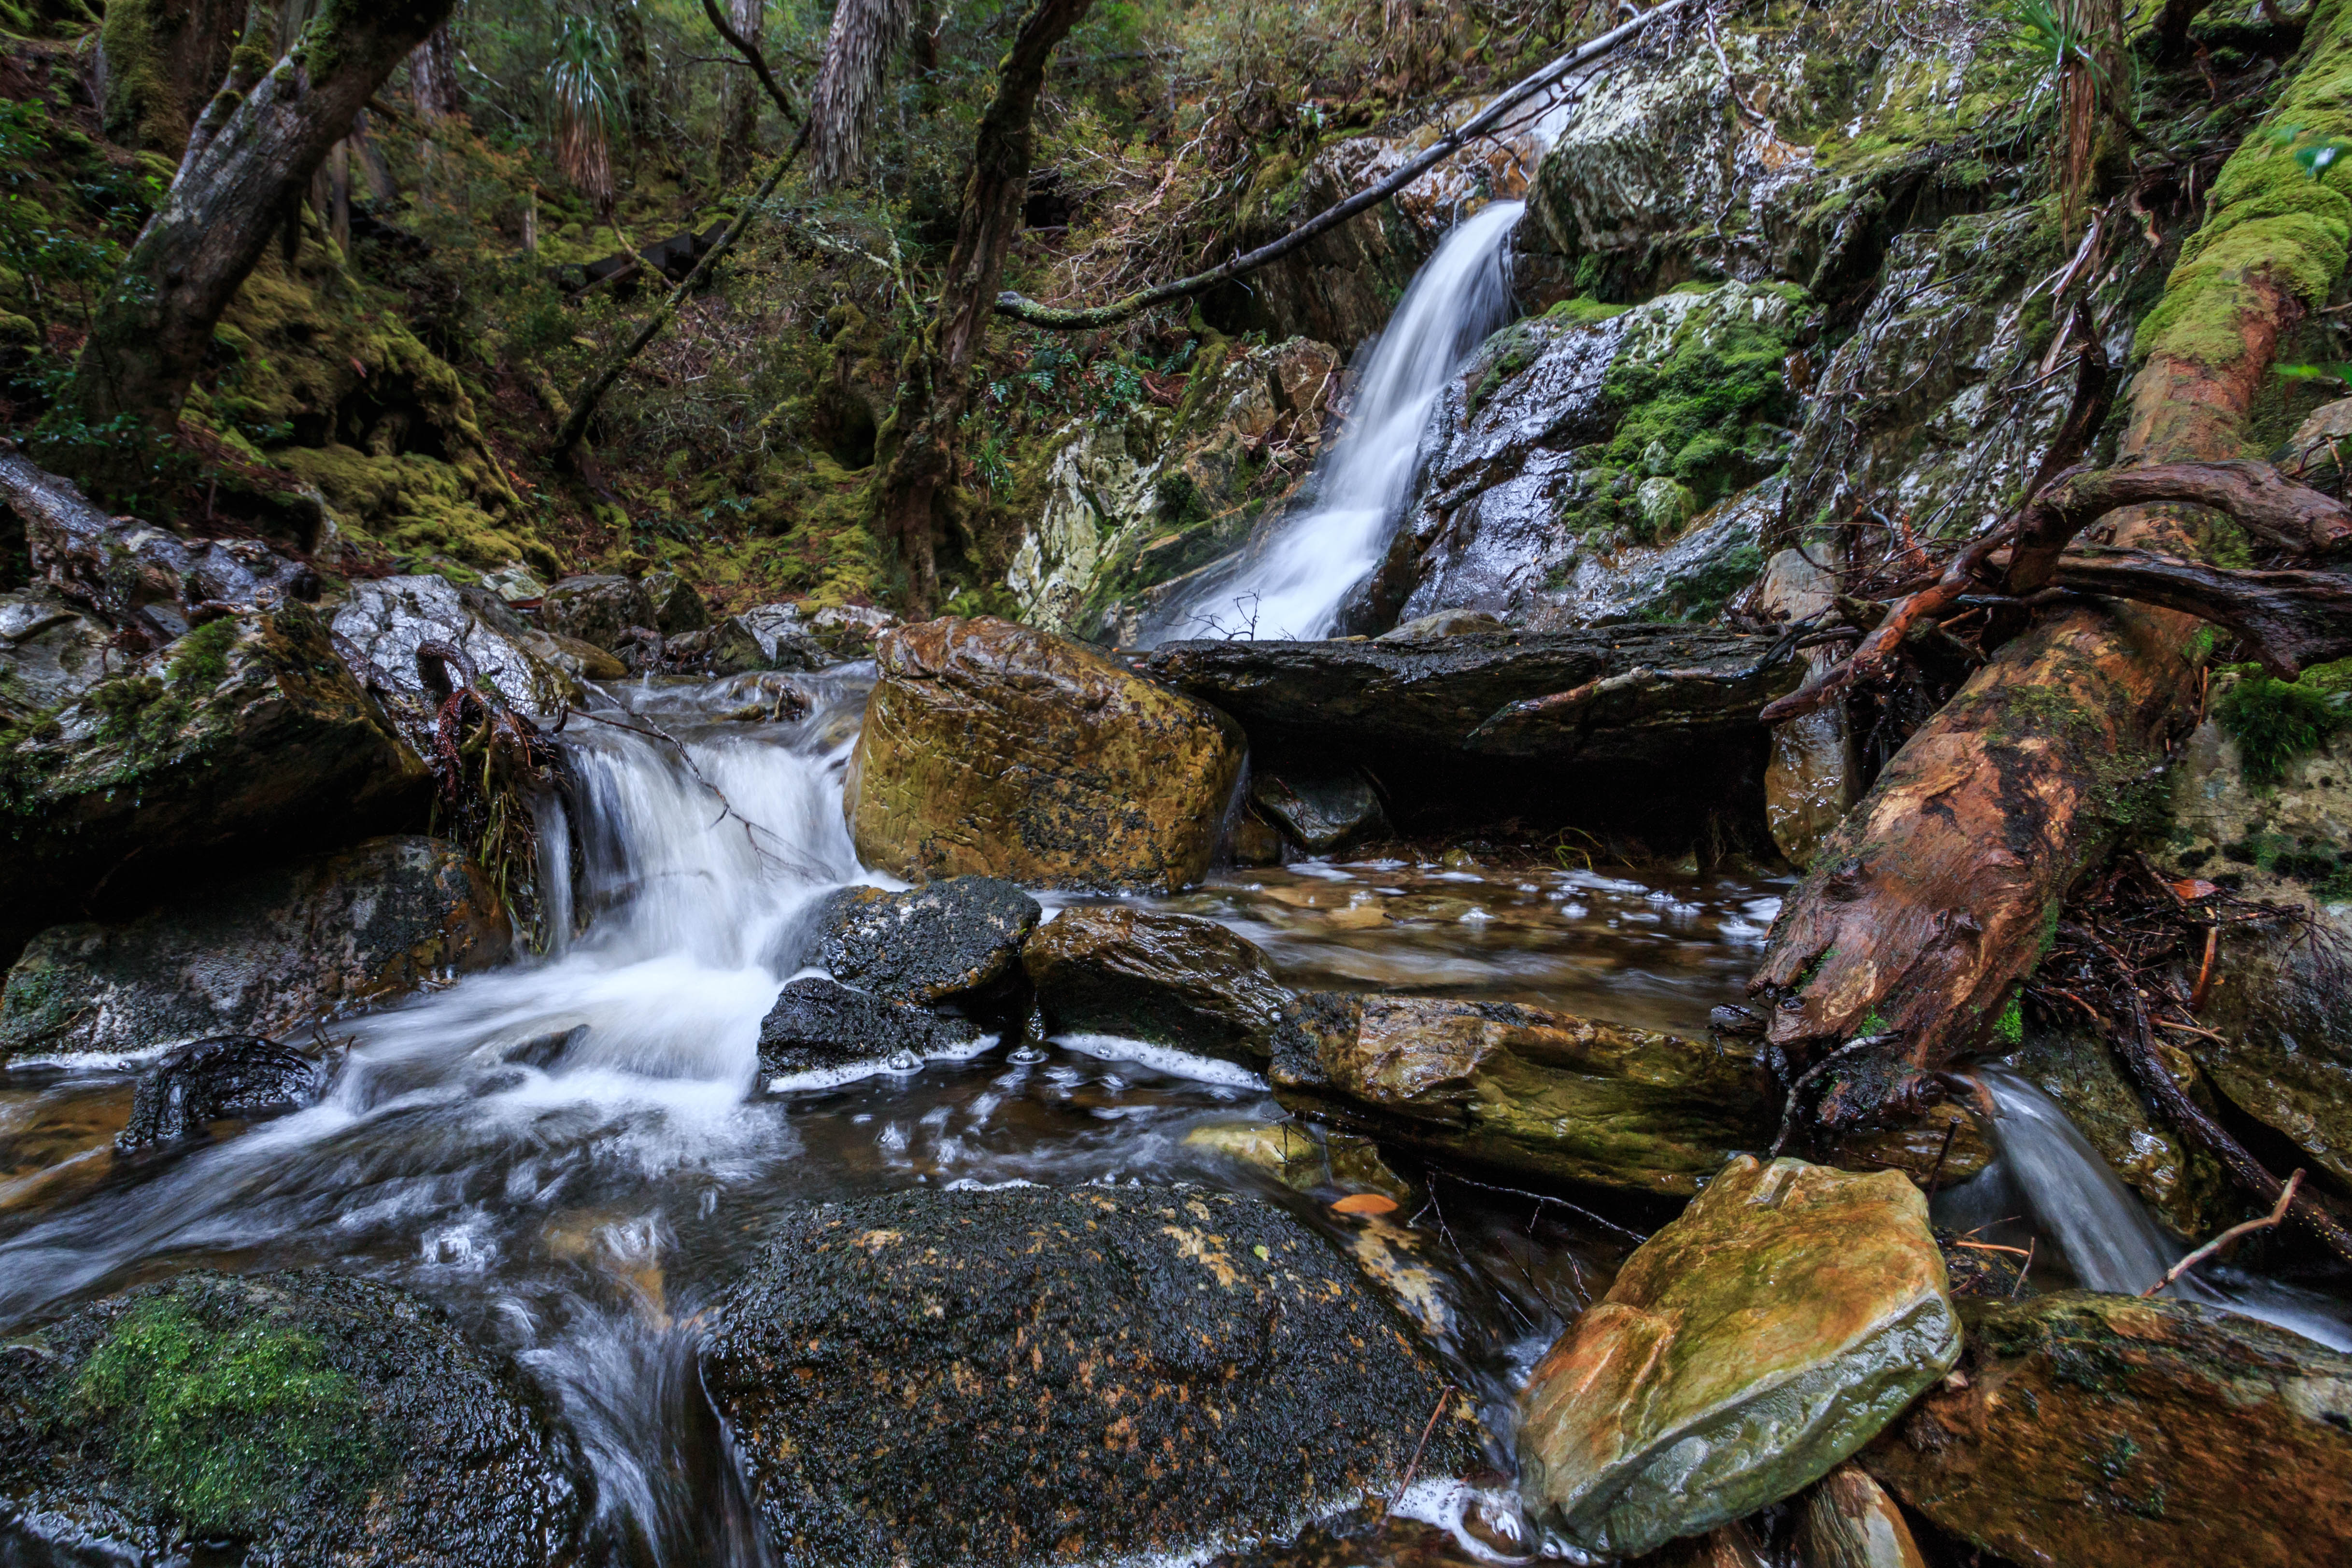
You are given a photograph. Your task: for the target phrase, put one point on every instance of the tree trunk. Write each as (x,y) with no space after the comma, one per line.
(164,60)
(1935,898)
(740,103)
(866,34)
(636,62)
(433,78)
(920,438)
(256,155)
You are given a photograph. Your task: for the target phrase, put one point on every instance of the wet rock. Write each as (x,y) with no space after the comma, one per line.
(1444,623)
(1650,691)
(598,609)
(954,938)
(1744,1351)
(301,1418)
(50,654)
(1301,1155)
(849,630)
(1518,1088)
(1851,1522)
(247,737)
(264,954)
(515,583)
(1815,775)
(2183,1185)
(383,622)
(1094,1371)
(995,749)
(2110,1432)
(242,1077)
(778,639)
(818,1025)
(2284,1055)
(678,608)
(1946,1145)
(1321,806)
(1173,979)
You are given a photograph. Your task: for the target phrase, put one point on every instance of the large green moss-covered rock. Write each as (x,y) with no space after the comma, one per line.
(1520,1088)
(261,955)
(1744,1351)
(1030,1375)
(1173,979)
(2095,1431)
(991,748)
(306,1419)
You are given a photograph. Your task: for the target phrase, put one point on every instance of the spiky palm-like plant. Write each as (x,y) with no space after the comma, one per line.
(580,79)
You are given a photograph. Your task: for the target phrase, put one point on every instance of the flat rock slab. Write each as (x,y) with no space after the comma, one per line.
(1745,1349)
(952,938)
(1650,693)
(1523,1089)
(821,1026)
(1029,1375)
(2099,1431)
(1172,979)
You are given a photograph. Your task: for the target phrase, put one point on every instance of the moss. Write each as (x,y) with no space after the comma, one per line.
(223,1430)
(138,40)
(200,660)
(2009,1028)
(2274,722)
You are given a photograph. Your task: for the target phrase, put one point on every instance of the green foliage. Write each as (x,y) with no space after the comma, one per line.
(2274,722)
(200,660)
(226,1429)
(2009,1026)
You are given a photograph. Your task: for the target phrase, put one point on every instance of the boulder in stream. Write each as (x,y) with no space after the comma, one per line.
(1172,979)
(263,955)
(2098,1431)
(599,610)
(822,1026)
(991,748)
(294,1418)
(956,937)
(1522,1089)
(231,1076)
(1029,1375)
(1319,805)
(1745,1349)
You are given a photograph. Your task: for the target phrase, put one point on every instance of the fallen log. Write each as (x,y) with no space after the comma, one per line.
(2289,620)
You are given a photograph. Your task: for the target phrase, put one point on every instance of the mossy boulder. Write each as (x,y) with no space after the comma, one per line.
(991,748)
(954,940)
(599,610)
(1744,1351)
(262,954)
(304,1418)
(1172,979)
(1523,1089)
(1030,1375)
(2098,1431)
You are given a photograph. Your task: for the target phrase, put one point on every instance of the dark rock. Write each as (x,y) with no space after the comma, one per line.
(50,654)
(1174,979)
(305,1417)
(597,610)
(2104,1431)
(231,1076)
(678,608)
(1654,693)
(1320,806)
(1025,1376)
(818,1024)
(263,955)
(955,937)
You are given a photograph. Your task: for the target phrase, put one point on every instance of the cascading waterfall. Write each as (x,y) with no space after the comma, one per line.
(1293,586)
(2108,1238)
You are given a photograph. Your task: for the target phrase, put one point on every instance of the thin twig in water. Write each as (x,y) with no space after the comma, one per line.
(2030,1243)
(752,829)
(2277,1213)
(1804,1081)
(1406,1484)
(1542,1197)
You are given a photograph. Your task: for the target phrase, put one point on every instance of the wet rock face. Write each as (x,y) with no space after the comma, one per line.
(820,1025)
(2110,1432)
(264,955)
(1172,979)
(1320,806)
(384,620)
(955,937)
(1520,1088)
(1061,1375)
(50,654)
(2183,1185)
(2285,1019)
(308,1418)
(598,609)
(993,749)
(1744,1351)
(240,1076)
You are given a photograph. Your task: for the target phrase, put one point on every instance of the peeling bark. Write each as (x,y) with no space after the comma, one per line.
(2291,620)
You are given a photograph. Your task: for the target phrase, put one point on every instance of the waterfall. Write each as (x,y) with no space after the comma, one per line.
(2105,1233)
(1292,585)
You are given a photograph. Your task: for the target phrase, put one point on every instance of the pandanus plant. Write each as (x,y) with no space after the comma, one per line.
(580,79)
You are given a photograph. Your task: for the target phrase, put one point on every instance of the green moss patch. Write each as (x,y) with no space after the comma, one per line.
(2274,722)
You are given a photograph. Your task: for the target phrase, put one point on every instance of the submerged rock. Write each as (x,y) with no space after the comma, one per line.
(1172,979)
(819,1025)
(1744,1351)
(301,1417)
(229,1076)
(2098,1431)
(264,955)
(995,749)
(1027,1376)
(953,938)
(1567,1098)
(1321,806)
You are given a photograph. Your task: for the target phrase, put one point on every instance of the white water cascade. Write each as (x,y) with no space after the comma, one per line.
(1292,585)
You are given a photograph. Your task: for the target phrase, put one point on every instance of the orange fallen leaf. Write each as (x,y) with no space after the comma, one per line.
(2191,888)
(1365,1203)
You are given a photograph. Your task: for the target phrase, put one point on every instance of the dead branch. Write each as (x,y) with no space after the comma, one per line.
(2277,1213)
(1021,307)
(2254,496)
(2290,619)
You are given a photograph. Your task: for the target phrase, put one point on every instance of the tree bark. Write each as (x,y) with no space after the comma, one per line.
(921,436)
(256,155)
(866,34)
(740,111)
(433,78)
(163,61)
(2291,620)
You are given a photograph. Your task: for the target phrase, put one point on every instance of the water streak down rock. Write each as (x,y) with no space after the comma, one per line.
(1744,1351)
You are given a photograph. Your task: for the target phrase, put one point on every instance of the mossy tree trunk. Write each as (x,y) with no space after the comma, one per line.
(251,156)
(919,466)
(740,126)
(164,60)
(1938,894)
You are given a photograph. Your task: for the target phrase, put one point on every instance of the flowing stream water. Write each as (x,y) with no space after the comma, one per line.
(1291,585)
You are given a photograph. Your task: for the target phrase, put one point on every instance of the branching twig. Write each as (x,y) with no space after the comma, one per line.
(2277,1213)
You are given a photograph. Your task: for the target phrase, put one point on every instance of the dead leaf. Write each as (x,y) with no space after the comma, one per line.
(2190,889)
(1365,1203)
